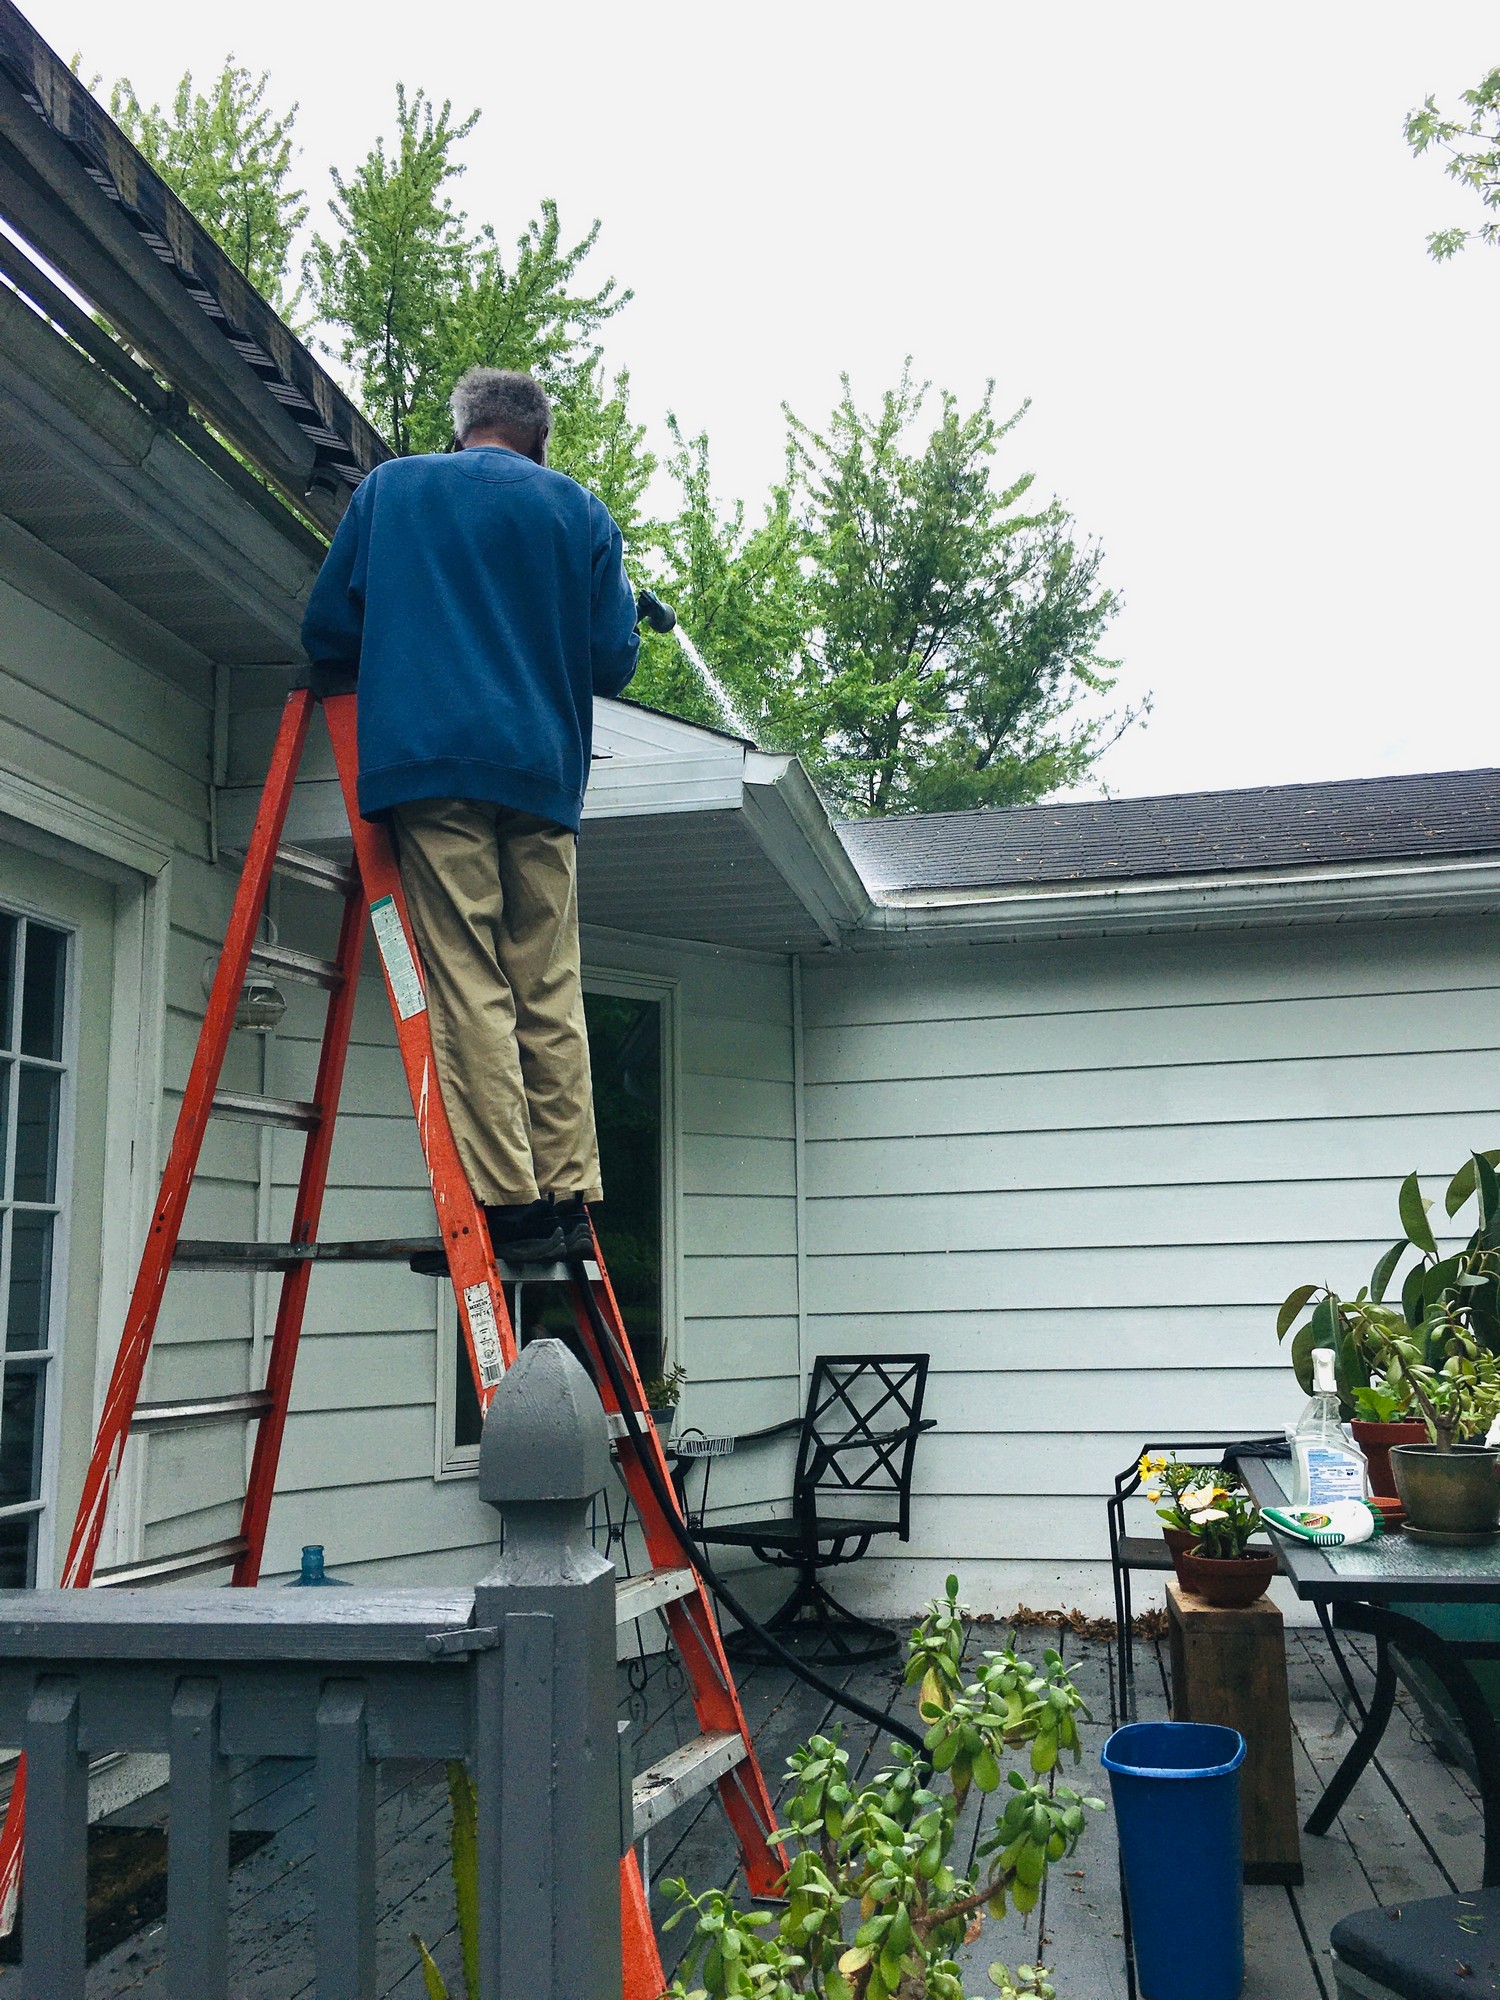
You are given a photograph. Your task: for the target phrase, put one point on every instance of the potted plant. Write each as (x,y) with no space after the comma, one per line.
(1221,1567)
(1436,1358)
(1163,1474)
(663,1392)
(1375,1395)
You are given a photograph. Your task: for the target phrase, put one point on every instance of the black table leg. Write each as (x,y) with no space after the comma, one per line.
(1338,1659)
(1365,1744)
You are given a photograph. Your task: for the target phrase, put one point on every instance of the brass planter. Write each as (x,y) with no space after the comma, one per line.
(1453,1492)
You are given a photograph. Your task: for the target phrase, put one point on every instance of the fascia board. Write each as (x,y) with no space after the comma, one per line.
(798,839)
(1201,902)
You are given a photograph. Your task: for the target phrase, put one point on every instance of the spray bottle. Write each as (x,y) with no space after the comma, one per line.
(1327,1465)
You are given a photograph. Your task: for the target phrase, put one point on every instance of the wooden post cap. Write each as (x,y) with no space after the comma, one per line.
(545,1437)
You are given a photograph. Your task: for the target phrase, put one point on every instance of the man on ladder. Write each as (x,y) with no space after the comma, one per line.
(481,601)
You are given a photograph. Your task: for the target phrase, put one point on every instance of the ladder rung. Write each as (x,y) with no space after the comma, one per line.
(204,1254)
(303,965)
(682,1774)
(294,1113)
(200,1410)
(300,865)
(161,1569)
(637,1595)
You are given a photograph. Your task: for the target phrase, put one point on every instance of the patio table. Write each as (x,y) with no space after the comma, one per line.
(1361,1589)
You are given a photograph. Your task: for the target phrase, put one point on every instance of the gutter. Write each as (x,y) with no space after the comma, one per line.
(1233,901)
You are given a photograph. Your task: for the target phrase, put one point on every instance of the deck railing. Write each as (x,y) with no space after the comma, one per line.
(516,1676)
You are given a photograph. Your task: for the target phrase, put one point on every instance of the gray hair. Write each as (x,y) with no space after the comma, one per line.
(498,399)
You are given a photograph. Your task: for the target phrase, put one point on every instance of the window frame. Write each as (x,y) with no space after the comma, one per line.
(455,1461)
(47,1362)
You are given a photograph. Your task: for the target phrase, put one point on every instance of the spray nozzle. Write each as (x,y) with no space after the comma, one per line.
(649,610)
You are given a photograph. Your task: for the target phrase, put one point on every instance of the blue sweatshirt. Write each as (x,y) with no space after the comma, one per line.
(482,601)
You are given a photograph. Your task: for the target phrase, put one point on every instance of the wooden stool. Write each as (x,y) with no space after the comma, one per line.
(1230,1667)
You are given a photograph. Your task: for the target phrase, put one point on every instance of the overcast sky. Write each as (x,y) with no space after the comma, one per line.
(1193,236)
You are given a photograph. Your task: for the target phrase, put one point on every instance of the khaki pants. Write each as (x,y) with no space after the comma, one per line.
(493,896)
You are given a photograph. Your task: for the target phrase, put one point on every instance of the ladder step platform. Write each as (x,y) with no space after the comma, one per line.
(638,1596)
(683,1773)
(182,1411)
(211,1254)
(292,1114)
(165,1569)
(316,871)
(303,965)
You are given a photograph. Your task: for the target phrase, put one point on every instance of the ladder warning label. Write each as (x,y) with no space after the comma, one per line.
(480,1308)
(400,966)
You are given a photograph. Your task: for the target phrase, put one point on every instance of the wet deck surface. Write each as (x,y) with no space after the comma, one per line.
(1410,1829)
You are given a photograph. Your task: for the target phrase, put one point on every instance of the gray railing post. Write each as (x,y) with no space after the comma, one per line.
(546,1759)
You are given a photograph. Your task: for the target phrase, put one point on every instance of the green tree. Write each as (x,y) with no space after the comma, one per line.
(951,657)
(740,591)
(228,156)
(1473,148)
(415,294)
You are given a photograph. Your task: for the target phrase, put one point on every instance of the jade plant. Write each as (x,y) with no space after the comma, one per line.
(875,1907)
(1436,1354)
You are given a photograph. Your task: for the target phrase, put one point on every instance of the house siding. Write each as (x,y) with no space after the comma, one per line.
(1083,1175)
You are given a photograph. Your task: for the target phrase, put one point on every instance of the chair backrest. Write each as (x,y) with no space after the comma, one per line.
(859,1437)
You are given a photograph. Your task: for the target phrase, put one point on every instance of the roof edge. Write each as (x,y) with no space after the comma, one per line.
(1231,901)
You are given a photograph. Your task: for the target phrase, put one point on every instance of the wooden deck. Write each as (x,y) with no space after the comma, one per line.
(1411,1829)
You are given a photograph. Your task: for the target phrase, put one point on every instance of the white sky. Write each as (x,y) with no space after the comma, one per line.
(1191,234)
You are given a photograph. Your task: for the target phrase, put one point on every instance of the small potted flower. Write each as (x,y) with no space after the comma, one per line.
(1166,1479)
(1221,1567)
(663,1393)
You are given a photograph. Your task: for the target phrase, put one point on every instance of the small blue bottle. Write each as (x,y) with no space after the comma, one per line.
(313,1572)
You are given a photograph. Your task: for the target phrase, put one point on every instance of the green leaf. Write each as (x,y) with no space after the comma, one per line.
(1413,1212)
(986,1771)
(1381,1276)
(432,1979)
(464,1848)
(1305,1341)
(1291,1307)
(1462,1184)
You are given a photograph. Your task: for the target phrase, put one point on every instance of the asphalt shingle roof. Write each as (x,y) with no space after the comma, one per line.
(1184,833)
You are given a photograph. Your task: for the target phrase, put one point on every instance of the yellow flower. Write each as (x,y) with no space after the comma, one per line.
(1200,1496)
(1154,1494)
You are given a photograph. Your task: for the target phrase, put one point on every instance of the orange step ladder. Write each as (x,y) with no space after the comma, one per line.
(722,1754)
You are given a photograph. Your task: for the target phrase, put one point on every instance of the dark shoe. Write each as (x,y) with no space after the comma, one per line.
(578,1231)
(525,1234)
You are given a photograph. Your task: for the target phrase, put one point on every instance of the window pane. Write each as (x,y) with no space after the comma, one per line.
(30,1280)
(21,1434)
(467,1422)
(18,1553)
(42,992)
(7,981)
(5,1073)
(38,1095)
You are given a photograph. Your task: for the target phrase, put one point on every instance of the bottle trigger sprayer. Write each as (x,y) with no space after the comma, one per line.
(1328,1465)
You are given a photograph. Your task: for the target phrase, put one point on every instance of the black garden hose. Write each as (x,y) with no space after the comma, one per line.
(693,1549)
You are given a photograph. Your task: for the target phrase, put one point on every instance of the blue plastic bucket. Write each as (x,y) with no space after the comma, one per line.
(1176,1790)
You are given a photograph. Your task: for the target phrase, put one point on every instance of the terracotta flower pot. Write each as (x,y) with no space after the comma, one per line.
(1375,1441)
(1230,1582)
(1453,1492)
(1179,1541)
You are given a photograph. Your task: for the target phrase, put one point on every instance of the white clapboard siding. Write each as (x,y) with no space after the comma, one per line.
(1082,1176)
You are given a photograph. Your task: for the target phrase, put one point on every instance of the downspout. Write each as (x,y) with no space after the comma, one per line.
(799,1178)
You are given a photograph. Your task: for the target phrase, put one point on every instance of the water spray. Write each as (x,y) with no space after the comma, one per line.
(649,610)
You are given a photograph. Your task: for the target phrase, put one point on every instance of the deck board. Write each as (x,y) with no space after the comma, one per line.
(1410,1828)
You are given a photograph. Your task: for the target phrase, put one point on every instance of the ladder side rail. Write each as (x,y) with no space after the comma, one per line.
(291,1306)
(187,1144)
(482,1312)
(690,1620)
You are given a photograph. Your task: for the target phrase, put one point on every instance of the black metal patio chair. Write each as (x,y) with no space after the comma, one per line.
(856,1441)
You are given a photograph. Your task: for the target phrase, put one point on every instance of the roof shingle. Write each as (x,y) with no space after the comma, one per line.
(1183,833)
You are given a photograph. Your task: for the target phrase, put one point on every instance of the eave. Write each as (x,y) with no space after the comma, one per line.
(1364,892)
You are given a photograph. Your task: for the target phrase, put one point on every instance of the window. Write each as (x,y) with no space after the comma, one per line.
(628,1041)
(33,1076)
